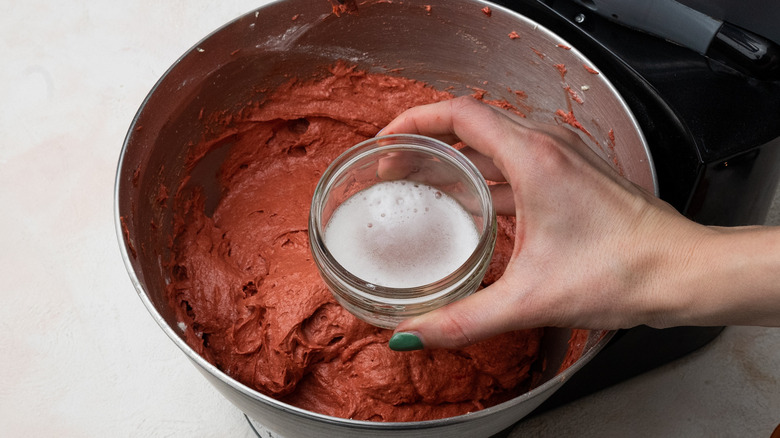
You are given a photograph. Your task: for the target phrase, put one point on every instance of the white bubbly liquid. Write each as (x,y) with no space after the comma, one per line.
(401,234)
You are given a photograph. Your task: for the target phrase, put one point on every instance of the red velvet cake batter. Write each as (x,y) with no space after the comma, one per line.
(249,297)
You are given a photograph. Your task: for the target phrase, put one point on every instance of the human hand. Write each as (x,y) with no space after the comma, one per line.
(588,243)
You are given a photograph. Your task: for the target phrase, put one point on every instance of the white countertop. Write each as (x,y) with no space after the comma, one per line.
(81,356)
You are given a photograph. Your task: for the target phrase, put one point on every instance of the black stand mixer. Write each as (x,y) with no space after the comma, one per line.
(710,111)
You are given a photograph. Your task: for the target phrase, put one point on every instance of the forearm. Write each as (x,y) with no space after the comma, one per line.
(733,278)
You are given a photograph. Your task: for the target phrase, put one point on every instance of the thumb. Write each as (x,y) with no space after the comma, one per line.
(482,315)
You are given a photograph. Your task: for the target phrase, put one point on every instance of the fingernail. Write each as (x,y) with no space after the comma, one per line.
(404,341)
(379,133)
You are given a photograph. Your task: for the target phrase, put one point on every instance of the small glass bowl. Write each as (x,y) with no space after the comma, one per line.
(419,159)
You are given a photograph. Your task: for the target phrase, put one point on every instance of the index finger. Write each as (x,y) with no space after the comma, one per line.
(478,125)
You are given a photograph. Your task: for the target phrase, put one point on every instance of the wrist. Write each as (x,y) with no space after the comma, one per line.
(679,263)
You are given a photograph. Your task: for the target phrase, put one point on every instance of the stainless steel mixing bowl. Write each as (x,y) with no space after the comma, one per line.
(451,44)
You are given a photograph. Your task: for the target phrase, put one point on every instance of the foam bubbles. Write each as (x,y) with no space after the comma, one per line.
(401,234)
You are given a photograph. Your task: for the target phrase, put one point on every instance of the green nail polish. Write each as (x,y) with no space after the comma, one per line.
(405,342)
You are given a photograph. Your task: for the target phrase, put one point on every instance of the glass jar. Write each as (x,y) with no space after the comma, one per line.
(418,161)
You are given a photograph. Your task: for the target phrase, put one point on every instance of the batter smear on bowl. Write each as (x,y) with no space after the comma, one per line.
(248,295)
